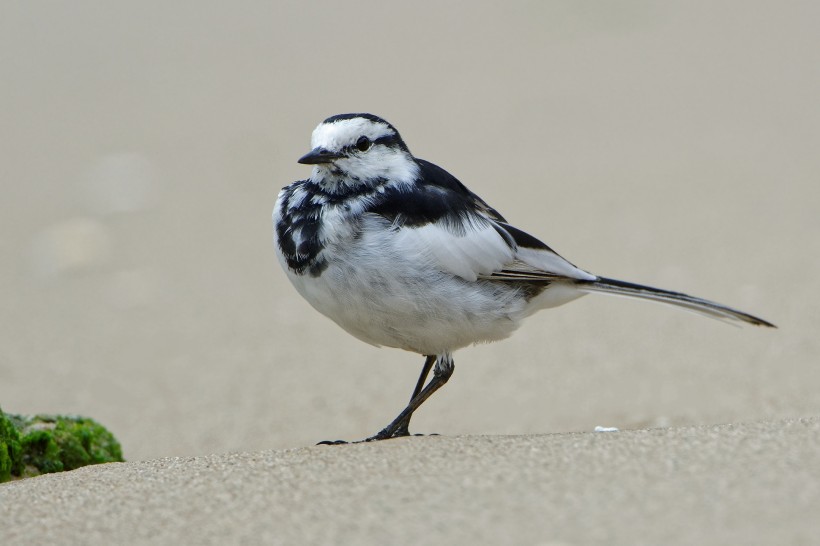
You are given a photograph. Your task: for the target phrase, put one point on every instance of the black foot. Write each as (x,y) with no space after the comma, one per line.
(375,438)
(382,436)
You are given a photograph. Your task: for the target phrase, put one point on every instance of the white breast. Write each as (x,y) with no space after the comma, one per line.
(383,295)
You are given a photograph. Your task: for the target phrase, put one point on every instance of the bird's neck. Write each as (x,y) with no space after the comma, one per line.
(336,182)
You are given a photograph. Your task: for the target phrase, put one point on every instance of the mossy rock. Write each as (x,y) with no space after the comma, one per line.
(11,460)
(52,443)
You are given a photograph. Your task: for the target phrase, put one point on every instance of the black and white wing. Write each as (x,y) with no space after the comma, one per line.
(441,221)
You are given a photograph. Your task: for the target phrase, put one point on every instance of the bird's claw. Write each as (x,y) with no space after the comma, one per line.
(375,438)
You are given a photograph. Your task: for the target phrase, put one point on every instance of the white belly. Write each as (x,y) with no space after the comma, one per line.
(385,296)
(397,301)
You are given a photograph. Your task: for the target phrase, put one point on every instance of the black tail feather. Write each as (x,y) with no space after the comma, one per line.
(698,305)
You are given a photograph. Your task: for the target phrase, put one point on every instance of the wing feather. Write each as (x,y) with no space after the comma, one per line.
(474,249)
(477,248)
(440,220)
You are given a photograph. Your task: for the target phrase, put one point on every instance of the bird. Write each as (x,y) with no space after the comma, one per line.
(399,253)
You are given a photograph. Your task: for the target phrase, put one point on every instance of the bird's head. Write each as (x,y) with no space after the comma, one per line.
(355,149)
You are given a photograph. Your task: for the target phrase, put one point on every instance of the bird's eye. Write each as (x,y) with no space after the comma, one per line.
(363,144)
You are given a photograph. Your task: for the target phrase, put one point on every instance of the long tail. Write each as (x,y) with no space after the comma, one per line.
(703,307)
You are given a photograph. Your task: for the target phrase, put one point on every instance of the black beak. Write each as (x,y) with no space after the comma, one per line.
(318,156)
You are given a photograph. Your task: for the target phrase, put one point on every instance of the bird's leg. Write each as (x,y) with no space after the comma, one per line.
(404,427)
(441,373)
(399,427)
(428,365)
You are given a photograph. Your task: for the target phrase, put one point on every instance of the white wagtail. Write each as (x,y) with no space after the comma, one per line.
(398,252)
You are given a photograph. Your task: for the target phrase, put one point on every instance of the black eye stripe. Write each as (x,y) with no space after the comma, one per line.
(387,140)
(391,141)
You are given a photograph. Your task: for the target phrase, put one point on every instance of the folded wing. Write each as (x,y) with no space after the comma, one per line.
(477,247)
(441,221)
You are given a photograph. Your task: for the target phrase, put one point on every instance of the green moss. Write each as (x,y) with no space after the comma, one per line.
(10,449)
(85,442)
(41,451)
(52,443)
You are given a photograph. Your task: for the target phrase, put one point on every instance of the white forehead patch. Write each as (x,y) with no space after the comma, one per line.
(336,135)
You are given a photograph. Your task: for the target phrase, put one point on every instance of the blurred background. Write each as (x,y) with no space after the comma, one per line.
(142,146)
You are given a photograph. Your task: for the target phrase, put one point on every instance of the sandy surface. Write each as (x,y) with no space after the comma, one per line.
(732,484)
(673,143)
